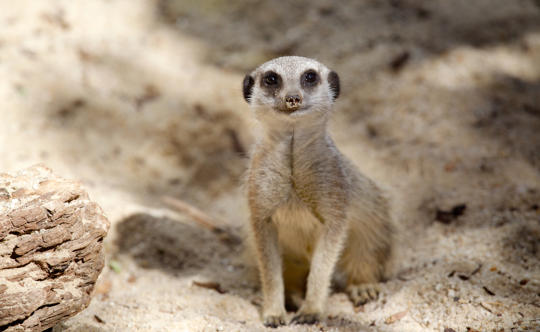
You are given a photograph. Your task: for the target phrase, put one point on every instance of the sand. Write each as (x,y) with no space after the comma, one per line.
(141,99)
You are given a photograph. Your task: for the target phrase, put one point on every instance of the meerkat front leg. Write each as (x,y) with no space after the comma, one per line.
(270,269)
(325,257)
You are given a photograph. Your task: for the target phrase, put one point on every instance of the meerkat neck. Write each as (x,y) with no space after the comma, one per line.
(286,130)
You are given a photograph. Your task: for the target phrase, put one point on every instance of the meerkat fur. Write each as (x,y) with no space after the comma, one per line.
(313,215)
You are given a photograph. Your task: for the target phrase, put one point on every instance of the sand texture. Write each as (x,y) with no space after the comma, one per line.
(139,100)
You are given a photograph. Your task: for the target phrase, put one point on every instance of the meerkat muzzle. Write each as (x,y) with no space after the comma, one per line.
(293,102)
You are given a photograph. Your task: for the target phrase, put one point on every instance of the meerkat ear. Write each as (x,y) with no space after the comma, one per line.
(333,81)
(247,87)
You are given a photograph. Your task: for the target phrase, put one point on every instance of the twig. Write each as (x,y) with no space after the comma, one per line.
(490,292)
(201,218)
(476,270)
(485,306)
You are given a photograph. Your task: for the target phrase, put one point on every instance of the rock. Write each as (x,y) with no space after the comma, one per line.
(51,249)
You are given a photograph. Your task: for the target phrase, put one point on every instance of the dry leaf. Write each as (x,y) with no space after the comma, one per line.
(395,317)
(211,285)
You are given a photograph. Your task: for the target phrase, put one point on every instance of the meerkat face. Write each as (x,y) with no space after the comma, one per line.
(291,86)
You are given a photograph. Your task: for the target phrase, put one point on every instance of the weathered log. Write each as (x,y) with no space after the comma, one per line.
(51,253)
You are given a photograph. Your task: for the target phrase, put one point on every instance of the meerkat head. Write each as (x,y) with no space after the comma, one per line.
(291,87)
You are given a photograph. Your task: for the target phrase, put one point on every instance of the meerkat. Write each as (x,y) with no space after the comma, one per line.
(313,214)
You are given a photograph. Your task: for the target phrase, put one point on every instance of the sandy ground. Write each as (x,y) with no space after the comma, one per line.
(141,99)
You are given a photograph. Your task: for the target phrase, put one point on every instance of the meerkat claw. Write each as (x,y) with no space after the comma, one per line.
(274,321)
(361,294)
(305,318)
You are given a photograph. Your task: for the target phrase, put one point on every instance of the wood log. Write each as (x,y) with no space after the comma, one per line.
(51,249)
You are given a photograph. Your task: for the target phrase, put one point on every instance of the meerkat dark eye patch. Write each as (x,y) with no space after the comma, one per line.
(271,79)
(333,81)
(271,82)
(309,78)
(247,87)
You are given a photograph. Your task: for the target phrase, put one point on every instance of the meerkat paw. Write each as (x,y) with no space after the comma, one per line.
(363,293)
(306,318)
(274,320)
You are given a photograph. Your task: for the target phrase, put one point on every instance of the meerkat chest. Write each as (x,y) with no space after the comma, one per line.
(288,162)
(286,171)
(297,228)
(270,173)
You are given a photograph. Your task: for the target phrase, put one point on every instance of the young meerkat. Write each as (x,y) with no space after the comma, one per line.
(313,214)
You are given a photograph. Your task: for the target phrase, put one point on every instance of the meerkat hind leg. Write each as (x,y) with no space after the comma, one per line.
(360,294)
(364,272)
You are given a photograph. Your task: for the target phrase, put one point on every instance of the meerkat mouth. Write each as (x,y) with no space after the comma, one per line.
(297,109)
(287,110)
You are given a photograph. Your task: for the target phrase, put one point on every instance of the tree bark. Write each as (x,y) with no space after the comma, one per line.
(51,251)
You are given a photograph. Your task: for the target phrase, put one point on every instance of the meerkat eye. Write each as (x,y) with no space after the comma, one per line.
(310,77)
(270,78)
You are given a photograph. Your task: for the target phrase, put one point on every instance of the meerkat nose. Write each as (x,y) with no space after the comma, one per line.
(293,101)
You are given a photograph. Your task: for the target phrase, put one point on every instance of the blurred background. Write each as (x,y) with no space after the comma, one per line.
(141,99)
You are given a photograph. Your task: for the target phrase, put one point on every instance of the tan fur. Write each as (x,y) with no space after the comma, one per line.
(311,209)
